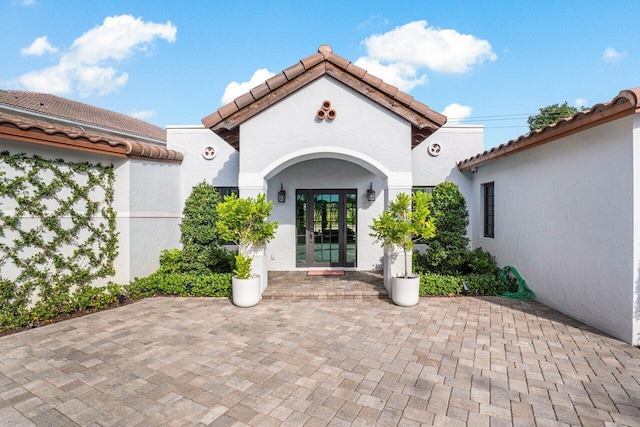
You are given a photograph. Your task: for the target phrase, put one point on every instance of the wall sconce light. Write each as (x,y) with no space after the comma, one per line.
(371,194)
(282,195)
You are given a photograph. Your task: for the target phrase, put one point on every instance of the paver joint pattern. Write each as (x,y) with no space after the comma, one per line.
(201,361)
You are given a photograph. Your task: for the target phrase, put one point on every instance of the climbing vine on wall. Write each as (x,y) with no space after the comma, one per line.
(57,233)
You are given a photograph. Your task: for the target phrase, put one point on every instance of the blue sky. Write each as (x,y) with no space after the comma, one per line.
(172,62)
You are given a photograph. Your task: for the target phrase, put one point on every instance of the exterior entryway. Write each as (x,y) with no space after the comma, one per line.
(326,233)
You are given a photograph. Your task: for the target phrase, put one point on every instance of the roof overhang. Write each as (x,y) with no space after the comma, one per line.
(40,132)
(625,104)
(226,121)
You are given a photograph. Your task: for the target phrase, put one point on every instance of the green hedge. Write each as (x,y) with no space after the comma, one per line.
(479,284)
(209,285)
(88,297)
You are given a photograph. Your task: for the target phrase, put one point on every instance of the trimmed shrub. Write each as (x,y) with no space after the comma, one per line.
(447,250)
(479,284)
(181,284)
(439,284)
(480,261)
(490,284)
(202,250)
(171,261)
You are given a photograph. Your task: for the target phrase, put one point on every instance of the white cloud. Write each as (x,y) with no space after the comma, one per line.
(403,76)
(580,102)
(399,55)
(235,89)
(143,114)
(456,112)
(86,65)
(612,55)
(39,47)
(443,50)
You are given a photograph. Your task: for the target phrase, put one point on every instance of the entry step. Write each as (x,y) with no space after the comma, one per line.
(299,286)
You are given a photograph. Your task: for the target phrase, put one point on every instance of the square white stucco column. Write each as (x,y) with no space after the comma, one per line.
(252,185)
(394,257)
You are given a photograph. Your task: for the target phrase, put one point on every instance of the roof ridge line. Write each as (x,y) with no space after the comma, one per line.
(229,116)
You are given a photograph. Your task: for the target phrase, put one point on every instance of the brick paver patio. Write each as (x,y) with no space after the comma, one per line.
(448,361)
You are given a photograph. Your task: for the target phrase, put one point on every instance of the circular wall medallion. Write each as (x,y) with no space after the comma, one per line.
(435,149)
(208,152)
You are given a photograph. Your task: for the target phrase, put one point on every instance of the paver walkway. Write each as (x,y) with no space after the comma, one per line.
(447,361)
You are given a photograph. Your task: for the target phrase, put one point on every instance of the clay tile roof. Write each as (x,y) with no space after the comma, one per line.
(227,119)
(56,106)
(55,134)
(626,103)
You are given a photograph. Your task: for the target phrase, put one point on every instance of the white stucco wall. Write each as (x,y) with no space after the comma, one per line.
(149,213)
(362,129)
(564,217)
(222,171)
(145,200)
(636,230)
(458,142)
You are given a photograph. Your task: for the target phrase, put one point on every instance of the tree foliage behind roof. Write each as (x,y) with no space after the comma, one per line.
(550,114)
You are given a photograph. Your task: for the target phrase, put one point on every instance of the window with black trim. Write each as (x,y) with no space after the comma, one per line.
(425,189)
(489,207)
(227,191)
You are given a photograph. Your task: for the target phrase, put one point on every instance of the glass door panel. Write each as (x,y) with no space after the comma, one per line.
(326,228)
(301,229)
(351,227)
(326,244)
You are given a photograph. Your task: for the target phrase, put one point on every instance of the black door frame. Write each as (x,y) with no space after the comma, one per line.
(342,226)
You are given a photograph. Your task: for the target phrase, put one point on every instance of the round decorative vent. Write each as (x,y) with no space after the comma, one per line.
(326,112)
(208,152)
(435,149)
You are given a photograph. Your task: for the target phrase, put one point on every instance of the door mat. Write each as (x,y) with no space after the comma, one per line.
(325,273)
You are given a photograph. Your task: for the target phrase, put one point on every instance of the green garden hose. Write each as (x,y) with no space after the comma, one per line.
(523,293)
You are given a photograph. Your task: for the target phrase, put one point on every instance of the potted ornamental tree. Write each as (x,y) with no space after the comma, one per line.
(243,221)
(407,220)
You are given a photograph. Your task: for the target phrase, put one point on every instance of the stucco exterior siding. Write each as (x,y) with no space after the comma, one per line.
(221,171)
(564,218)
(636,230)
(145,201)
(152,213)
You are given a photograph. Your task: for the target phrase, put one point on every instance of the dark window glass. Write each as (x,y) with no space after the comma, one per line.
(425,189)
(489,206)
(227,191)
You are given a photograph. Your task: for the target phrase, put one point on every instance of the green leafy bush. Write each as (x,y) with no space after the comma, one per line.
(489,284)
(447,249)
(244,222)
(171,261)
(181,284)
(407,220)
(479,284)
(202,250)
(480,261)
(439,284)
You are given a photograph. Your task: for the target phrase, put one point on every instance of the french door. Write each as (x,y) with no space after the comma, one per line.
(326,233)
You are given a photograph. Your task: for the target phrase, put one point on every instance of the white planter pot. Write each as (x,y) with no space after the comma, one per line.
(245,292)
(405,291)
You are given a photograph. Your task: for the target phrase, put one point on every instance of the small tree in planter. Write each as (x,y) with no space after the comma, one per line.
(406,221)
(244,222)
